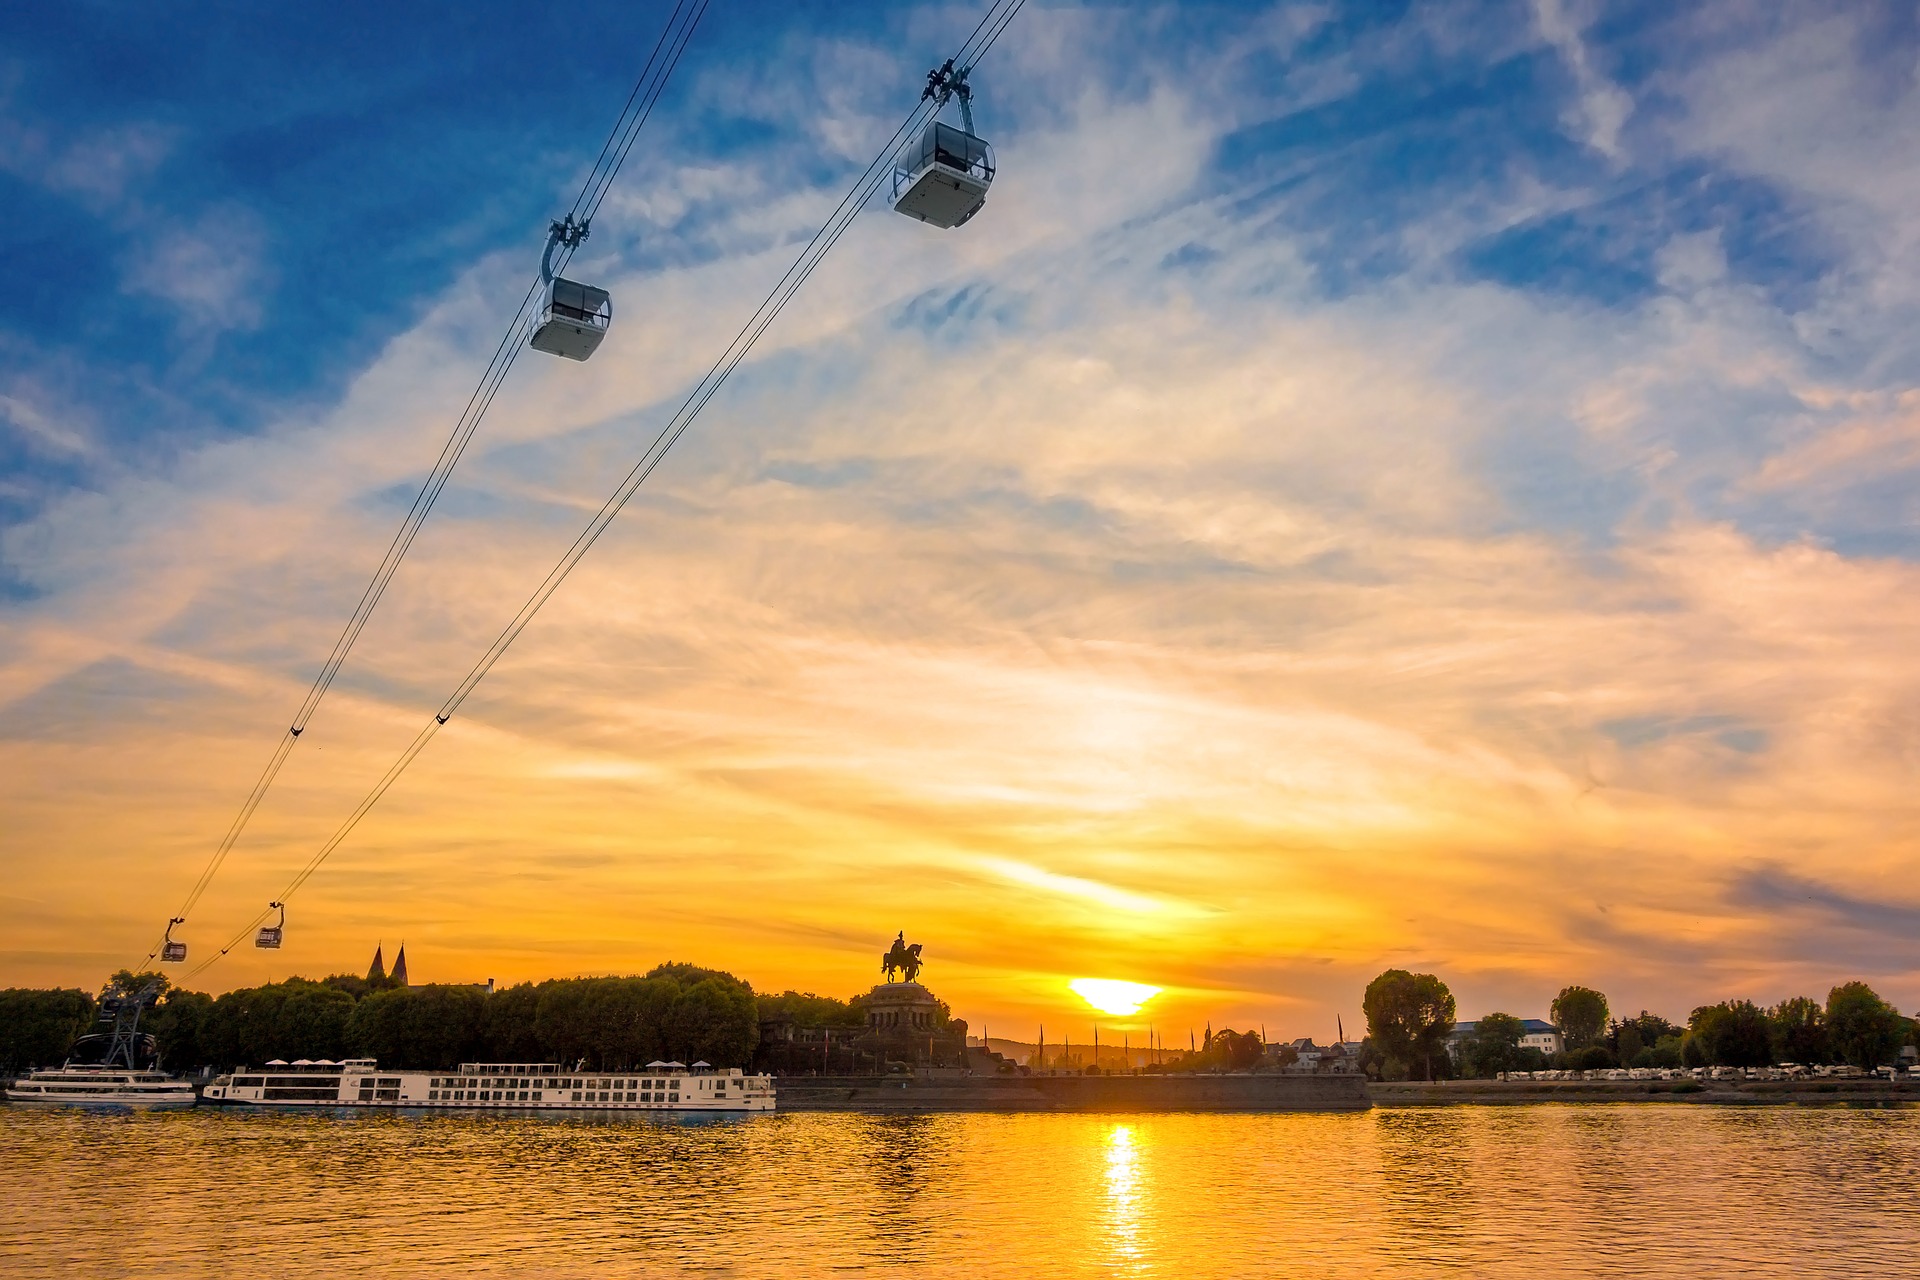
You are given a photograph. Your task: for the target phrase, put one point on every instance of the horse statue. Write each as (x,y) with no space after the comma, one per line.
(902,958)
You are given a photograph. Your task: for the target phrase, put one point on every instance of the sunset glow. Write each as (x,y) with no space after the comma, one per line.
(1109,995)
(1238,556)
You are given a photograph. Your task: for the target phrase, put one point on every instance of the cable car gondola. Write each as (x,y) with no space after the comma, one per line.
(172,952)
(943,180)
(270,934)
(574,317)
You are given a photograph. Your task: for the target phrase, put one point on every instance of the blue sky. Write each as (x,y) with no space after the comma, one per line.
(1477,438)
(224,212)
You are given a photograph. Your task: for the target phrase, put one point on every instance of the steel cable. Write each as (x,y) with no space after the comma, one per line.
(992,25)
(648,87)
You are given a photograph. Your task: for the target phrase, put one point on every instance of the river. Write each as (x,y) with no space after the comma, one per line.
(1535,1191)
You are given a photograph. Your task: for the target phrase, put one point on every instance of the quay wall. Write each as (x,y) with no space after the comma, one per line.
(1737,1093)
(938,1091)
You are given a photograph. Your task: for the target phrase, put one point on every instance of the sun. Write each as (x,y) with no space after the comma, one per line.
(1111,996)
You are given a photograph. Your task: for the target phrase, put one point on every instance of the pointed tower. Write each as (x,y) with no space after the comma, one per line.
(400,967)
(377,971)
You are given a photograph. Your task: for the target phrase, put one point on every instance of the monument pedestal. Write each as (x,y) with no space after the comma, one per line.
(901,1007)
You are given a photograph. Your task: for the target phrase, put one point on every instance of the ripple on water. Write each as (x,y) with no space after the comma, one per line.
(1512,1191)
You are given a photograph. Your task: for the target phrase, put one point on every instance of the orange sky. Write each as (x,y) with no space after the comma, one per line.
(1183,629)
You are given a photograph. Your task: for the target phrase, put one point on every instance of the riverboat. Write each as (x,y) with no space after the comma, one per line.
(494,1086)
(100,1086)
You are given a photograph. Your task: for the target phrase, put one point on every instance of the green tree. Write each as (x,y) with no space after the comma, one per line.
(1409,1016)
(512,1025)
(1581,1015)
(809,1010)
(38,1025)
(1595,1057)
(1632,1037)
(1492,1046)
(1665,1052)
(125,982)
(1735,1033)
(1799,1031)
(714,1020)
(177,1026)
(1863,1029)
(428,1027)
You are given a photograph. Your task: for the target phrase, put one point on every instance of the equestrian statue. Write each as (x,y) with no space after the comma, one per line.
(902,958)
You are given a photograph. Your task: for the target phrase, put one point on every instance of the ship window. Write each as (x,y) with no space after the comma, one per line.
(576,1096)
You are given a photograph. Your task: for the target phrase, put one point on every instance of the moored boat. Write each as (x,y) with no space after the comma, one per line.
(494,1086)
(100,1086)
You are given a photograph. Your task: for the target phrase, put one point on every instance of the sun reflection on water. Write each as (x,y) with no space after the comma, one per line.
(1492,1193)
(1125,1194)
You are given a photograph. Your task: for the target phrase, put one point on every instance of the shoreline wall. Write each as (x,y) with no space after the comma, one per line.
(1495,1093)
(941,1091)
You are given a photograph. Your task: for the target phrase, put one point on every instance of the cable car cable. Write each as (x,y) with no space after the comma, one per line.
(994,23)
(648,87)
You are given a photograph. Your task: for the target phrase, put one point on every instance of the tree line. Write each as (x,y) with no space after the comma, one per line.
(1411,1023)
(674,1012)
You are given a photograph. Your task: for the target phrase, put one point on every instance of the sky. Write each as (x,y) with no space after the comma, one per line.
(1424,486)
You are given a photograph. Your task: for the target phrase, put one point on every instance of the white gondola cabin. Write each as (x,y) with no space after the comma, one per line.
(172,952)
(943,181)
(574,319)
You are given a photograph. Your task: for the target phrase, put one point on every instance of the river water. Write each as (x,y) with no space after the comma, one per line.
(1555,1191)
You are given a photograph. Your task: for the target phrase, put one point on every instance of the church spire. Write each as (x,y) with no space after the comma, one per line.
(377,972)
(400,967)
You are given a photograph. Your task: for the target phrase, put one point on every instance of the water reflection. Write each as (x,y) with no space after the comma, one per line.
(1658,1191)
(1123,1198)
(902,1160)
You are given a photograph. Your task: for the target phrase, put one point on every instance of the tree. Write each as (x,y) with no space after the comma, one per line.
(1631,1038)
(809,1010)
(1863,1029)
(1581,1015)
(1595,1057)
(1735,1033)
(1666,1052)
(125,982)
(512,1025)
(37,1026)
(178,1025)
(1799,1031)
(430,1027)
(1409,1016)
(1492,1046)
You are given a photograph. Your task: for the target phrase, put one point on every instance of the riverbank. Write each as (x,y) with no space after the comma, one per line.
(1863,1092)
(956,1091)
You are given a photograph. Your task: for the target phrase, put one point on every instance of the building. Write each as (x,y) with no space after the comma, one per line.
(1310,1058)
(1535,1034)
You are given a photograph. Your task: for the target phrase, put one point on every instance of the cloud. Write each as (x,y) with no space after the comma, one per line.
(1082,601)
(1604,107)
(213,270)
(101,168)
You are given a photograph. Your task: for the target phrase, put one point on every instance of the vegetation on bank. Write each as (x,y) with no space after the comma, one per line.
(1410,1026)
(675,1012)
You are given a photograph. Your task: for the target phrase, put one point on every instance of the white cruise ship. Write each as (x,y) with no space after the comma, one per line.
(88,1086)
(493,1086)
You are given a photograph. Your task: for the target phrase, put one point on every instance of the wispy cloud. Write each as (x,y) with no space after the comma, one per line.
(1096,589)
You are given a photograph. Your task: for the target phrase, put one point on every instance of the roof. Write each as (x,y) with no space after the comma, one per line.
(1528,1026)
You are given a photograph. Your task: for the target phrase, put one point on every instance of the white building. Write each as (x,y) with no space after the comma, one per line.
(1534,1034)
